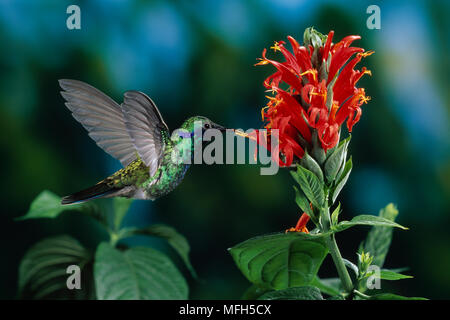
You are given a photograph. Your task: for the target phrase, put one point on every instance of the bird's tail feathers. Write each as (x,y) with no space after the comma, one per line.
(100,190)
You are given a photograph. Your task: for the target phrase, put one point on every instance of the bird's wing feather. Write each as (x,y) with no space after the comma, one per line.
(145,127)
(102,117)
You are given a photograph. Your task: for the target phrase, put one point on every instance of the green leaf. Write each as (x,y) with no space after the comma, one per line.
(335,160)
(294,293)
(121,206)
(341,169)
(280,260)
(43,269)
(47,205)
(367,220)
(303,202)
(335,215)
(342,179)
(391,296)
(329,286)
(310,185)
(178,242)
(391,275)
(309,163)
(254,292)
(379,238)
(139,273)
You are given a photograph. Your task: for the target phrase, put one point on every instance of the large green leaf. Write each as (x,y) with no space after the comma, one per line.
(43,269)
(135,274)
(178,242)
(379,238)
(367,220)
(311,186)
(280,260)
(48,205)
(254,292)
(294,293)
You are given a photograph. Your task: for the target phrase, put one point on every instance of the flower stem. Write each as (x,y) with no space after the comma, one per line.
(339,263)
(362,295)
(335,253)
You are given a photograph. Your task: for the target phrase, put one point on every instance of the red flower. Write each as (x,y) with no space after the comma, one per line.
(314,90)
(301,224)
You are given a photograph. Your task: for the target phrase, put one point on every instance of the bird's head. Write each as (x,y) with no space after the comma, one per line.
(199,122)
(191,134)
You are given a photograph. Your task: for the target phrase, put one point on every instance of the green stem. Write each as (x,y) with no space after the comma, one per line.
(339,263)
(113,238)
(362,295)
(335,253)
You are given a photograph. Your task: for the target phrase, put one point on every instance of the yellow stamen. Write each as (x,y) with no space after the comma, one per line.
(274,100)
(365,99)
(276,47)
(367,72)
(262,62)
(240,133)
(323,95)
(334,109)
(310,71)
(262,112)
(317,94)
(243,134)
(366,54)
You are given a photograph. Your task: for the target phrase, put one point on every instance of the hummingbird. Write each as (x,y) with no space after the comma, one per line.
(134,133)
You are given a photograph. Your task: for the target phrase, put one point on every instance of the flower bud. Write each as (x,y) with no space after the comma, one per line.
(314,38)
(364,260)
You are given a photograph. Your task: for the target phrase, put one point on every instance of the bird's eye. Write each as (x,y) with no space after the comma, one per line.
(207,126)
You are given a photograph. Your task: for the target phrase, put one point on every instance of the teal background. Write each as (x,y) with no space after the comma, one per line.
(196,58)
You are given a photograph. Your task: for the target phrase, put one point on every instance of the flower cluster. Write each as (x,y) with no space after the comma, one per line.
(314,92)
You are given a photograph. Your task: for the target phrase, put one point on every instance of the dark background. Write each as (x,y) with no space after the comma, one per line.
(196,58)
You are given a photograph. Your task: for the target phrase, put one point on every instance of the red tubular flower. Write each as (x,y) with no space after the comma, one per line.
(301,224)
(319,92)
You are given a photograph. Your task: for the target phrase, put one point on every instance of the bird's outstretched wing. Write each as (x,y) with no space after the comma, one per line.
(101,116)
(146,128)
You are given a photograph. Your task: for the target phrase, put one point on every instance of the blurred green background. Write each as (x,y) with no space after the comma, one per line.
(196,58)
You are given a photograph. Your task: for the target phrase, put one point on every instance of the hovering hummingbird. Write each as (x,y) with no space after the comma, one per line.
(135,134)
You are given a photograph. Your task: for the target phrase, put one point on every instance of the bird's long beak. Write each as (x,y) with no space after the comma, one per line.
(218,127)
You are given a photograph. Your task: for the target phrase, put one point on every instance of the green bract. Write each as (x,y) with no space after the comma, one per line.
(311,186)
